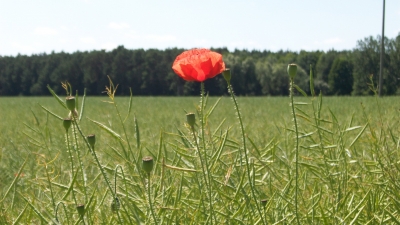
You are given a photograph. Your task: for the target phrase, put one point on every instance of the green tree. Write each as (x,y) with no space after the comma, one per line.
(366,60)
(392,68)
(341,77)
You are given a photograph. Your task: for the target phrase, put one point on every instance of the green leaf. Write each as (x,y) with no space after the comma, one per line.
(312,81)
(130,105)
(56,97)
(82,105)
(15,179)
(51,113)
(137,132)
(300,90)
(107,129)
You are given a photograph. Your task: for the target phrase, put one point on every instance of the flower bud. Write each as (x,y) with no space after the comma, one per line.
(67,123)
(148,164)
(227,74)
(191,119)
(91,139)
(70,101)
(292,70)
(81,209)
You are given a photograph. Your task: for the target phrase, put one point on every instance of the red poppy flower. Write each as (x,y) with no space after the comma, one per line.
(198,64)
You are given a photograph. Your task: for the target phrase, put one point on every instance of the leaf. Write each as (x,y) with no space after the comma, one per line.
(300,90)
(130,105)
(352,128)
(107,129)
(358,136)
(212,108)
(179,168)
(36,119)
(137,132)
(20,215)
(15,179)
(34,209)
(51,113)
(82,105)
(312,81)
(56,97)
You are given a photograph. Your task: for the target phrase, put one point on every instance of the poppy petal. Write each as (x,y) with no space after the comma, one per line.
(198,64)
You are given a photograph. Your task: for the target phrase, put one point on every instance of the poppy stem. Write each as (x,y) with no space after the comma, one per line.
(72,165)
(250,180)
(296,151)
(209,183)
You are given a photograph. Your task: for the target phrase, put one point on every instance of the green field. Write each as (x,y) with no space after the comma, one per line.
(347,169)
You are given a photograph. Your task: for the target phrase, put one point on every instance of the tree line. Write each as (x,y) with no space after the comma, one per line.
(254,73)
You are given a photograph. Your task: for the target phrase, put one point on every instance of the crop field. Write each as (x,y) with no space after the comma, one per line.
(334,161)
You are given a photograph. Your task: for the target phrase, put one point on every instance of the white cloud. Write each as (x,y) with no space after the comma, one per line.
(63,41)
(151,37)
(88,40)
(249,45)
(45,31)
(161,38)
(22,48)
(108,46)
(118,26)
(332,41)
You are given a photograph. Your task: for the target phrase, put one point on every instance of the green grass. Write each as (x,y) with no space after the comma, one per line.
(348,162)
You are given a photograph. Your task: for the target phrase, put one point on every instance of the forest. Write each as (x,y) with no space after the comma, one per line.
(254,73)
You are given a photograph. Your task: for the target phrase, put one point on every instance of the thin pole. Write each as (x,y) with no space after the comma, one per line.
(382,50)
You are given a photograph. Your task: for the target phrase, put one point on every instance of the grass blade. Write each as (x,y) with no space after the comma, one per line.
(51,113)
(15,179)
(59,100)
(130,105)
(312,81)
(82,105)
(137,132)
(107,129)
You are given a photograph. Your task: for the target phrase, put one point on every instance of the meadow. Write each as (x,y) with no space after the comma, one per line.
(211,172)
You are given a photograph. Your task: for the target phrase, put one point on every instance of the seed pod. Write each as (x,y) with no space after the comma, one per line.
(91,139)
(115,205)
(148,164)
(70,101)
(191,119)
(292,70)
(81,209)
(264,202)
(67,123)
(227,74)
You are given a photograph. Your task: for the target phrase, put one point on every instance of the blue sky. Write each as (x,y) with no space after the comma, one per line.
(33,27)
